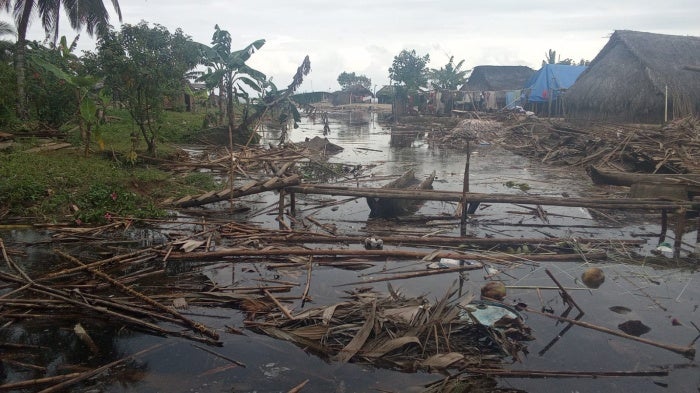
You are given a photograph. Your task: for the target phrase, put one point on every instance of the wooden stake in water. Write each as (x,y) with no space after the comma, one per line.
(465,190)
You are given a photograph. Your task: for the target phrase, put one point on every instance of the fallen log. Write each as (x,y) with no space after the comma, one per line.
(456,196)
(501,257)
(248,189)
(616,178)
(304,237)
(389,207)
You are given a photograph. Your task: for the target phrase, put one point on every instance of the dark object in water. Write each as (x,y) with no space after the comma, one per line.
(690,182)
(593,277)
(620,309)
(493,290)
(389,207)
(634,328)
(321,145)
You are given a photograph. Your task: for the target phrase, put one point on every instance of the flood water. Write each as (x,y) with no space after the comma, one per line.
(665,299)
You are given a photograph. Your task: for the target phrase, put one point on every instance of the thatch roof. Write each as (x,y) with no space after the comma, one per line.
(386,90)
(627,80)
(358,90)
(495,78)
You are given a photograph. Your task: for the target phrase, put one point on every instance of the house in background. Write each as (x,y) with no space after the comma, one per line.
(640,78)
(487,86)
(352,95)
(543,91)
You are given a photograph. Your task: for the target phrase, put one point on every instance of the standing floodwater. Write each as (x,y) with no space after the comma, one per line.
(662,298)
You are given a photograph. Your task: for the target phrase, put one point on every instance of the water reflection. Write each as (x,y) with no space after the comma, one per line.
(276,365)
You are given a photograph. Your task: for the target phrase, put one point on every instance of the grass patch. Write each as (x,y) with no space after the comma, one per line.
(65,185)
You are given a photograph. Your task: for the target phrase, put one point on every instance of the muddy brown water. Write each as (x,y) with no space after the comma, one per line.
(655,296)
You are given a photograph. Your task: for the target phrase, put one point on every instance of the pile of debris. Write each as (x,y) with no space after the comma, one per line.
(403,333)
(673,148)
(467,131)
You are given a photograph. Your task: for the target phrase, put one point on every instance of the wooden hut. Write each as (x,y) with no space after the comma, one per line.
(498,78)
(351,95)
(640,78)
(487,85)
(386,94)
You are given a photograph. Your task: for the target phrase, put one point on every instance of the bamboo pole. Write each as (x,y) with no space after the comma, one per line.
(190,323)
(92,373)
(37,381)
(456,196)
(407,240)
(688,352)
(680,229)
(465,191)
(564,374)
(500,257)
(421,273)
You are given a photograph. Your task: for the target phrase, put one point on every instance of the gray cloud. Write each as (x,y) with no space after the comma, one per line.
(363,36)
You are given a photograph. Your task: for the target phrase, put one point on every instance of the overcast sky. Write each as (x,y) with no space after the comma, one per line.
(363,36)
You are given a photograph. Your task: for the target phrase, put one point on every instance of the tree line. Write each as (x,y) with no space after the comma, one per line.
(139,67)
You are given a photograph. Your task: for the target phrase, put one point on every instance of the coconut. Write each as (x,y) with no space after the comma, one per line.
(494,290)
(593,277)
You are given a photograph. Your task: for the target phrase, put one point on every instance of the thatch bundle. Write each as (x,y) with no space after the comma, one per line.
(627,80)
(402,333)
(467,130)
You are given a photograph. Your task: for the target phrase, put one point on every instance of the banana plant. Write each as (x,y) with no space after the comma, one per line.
(87,92)
(228,69)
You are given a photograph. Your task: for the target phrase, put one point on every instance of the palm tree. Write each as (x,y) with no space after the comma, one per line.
(5,46)
(90,14)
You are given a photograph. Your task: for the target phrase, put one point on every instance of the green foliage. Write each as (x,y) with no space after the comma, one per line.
(228,69)
(7,94)
(52,100)
(142,66)
(449,77)
(409,69)
(345,80)
(51,185)
(550,57)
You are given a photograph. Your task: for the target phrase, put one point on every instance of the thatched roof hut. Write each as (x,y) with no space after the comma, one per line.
(627,80)
(498,78)
(351,94)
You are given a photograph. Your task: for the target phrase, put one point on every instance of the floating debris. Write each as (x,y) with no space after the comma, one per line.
(634,328)
(593,277)
(494,290)
(620,309)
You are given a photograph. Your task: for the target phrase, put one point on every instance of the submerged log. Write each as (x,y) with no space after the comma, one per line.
(616,178)
(387,207)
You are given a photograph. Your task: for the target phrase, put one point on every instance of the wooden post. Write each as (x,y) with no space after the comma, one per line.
(665,104)
(680,229)
(292,204)
(664,225)
(465,190)
(697,227)
(280,211)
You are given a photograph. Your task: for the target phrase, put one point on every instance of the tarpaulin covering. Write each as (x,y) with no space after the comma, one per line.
(550,80)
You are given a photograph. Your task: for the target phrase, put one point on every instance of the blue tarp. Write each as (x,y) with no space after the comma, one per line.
(550,80)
